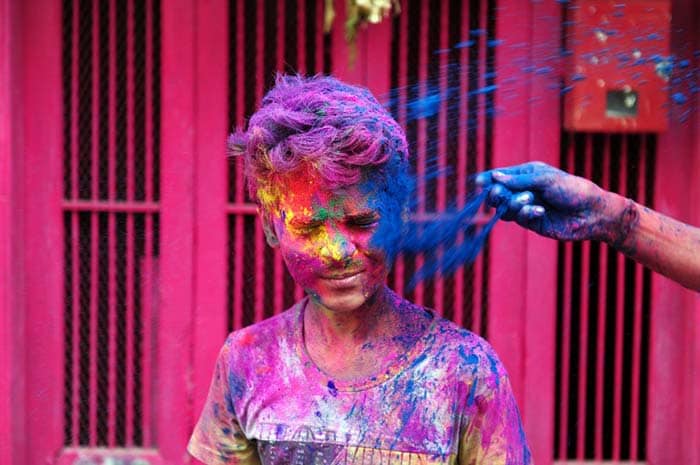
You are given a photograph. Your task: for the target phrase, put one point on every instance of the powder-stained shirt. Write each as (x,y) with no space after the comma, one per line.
(447,400)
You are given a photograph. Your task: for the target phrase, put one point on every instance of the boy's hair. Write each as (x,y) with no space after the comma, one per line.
(334,129)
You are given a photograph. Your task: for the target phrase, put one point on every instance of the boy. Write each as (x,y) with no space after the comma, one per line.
(353,373)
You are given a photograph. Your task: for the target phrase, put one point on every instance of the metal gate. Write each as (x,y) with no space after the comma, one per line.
(111,183)
(603,315)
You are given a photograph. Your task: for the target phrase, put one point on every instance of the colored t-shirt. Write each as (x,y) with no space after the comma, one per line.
(448,400)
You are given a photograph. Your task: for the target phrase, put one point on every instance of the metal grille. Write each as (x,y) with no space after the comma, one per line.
(444,52)
(111,99)
(603,321)
(264,37)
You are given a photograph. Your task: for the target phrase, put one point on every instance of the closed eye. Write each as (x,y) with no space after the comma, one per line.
(364,221)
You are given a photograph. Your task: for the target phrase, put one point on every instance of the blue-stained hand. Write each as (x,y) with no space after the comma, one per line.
(552,202)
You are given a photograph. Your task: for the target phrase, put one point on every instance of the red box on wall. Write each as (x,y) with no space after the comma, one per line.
(619,66)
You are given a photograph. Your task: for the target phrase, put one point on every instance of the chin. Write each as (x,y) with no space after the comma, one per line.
(341,304)
(345,300)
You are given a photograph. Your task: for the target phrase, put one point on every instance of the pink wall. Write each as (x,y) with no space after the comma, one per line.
(194,218)
(11,283)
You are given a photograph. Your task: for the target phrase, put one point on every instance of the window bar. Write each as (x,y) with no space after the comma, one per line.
(619,321)
(148,288)
(278,267)
(129,329)
(259,90)
(75,401)
(461,150)
(320,39)
(112,232)
(602,311)
(280,43)
(476,273)
(94,268)
(399,94)
(441,147)
(74,228)
(94,234)
(566,336)
(424,14)
(130,166)
(637,322)
(74,103)
(586,273)
(301,37)
(239,184)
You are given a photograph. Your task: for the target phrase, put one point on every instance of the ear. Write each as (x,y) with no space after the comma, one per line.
(268,228)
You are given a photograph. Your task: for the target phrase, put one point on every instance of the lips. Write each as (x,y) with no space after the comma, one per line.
(342,276)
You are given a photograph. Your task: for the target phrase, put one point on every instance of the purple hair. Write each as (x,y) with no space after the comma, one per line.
(339,130)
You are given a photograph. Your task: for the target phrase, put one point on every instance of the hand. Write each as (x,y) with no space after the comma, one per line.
(554,203)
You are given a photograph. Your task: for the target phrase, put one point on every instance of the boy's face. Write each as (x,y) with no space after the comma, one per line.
(324,237)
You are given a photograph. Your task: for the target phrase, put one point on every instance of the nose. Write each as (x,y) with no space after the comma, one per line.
(338,248)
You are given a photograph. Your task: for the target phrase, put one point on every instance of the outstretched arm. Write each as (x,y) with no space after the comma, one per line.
(566,207)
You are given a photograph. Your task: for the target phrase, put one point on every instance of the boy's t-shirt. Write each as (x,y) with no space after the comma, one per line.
(448,400)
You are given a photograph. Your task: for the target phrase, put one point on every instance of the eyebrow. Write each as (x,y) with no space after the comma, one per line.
(304,222)
(307,221)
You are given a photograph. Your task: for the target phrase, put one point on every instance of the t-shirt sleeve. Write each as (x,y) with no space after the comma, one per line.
(218,438)
(492,431)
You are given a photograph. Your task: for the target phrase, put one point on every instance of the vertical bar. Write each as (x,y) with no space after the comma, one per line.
(95,121)
(461,167)
(129,329)
(148,305)
(301,38)
(94,234)
(111,189)
(147,286)
(112,331)
(442,147)
(75,350)
(583,330)
(240,193)
(320,37)
(619,323)
(637,322)
(602,311)
(74,225)
(421,136)
(148,190)
(566,338)
(259,90)
(130,100)
(281,38)
(94,128)
(74,103)
(130,175)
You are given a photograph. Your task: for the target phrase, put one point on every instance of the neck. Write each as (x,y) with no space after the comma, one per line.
(351,328)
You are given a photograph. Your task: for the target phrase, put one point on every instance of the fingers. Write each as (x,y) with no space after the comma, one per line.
(487,178)
(537,180)
(529,213)
(518,205)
